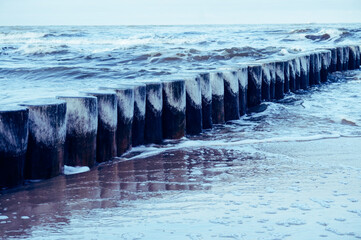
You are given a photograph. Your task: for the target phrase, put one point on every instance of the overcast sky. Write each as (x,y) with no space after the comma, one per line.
(129,12)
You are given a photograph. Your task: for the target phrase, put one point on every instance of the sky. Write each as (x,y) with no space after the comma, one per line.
(169,12)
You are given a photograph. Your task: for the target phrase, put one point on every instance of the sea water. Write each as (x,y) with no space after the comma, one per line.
(290,171)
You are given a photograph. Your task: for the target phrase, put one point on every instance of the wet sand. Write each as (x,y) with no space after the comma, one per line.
(275,190)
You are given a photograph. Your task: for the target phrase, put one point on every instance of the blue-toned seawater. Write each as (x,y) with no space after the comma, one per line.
(291,171)
(45,61)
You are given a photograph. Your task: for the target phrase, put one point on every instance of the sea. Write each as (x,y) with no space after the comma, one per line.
(292,170)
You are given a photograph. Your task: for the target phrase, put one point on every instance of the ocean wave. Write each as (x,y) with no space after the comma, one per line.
(63,35)
(302,30)
(11,36)
(43,50)
(322,37)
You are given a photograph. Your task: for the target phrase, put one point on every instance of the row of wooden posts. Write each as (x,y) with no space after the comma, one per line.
(37,138)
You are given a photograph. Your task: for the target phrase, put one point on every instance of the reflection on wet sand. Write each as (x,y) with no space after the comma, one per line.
(52,202)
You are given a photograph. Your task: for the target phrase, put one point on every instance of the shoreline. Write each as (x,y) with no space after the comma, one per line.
(281,182)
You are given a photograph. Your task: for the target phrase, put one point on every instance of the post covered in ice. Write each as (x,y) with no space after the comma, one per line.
(14,129)
(153,132)
(266,80)
(81,130)
(346,55)
(138,127)
(353,53)
(280,80)
(305,71)
(325,64)
(125,113)
(243,86)
(298,73)
(292,74)
(286,66)
(254,90)
(315,68)
(340,58)
(174,109)
(206,91)
(358,57)
(231,95)
(193,105)
(107,125)
(333,64)
(217,85)
(47,132)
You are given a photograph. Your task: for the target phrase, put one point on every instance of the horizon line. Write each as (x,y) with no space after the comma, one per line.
(193,24)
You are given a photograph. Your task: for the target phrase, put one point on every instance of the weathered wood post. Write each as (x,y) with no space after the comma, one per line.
(292,72)
(125,113)
(107,124)
(340,58)
(193,105)
(254,90)
(305,68)
(280,80)
(358,57)
(298,73)
(325,64)
(352,64)
(14,127)
(206,91)
(346,55)
(217,85)
(286,66)
(153,114)
(81,130)
(174,109)
(333,64)
(138,127)
(243,86)
(266,80)
(231,95)
(47,132)
(315,68)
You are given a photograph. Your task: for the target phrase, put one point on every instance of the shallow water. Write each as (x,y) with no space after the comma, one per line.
(289,172)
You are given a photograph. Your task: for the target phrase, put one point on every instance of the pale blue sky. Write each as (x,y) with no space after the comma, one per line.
(129,12)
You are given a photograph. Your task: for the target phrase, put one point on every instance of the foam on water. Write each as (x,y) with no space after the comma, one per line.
(69,170)
(44,58)
(289,171)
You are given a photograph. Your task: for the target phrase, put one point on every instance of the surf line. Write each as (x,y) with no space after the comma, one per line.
(38,138)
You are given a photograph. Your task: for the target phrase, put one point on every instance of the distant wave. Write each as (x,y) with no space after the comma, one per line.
(322,37)
(302,30)
(41,50)
(63,35)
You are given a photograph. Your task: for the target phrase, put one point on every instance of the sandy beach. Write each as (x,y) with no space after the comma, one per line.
(278,190)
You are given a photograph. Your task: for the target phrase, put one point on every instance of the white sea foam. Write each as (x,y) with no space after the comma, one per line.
(193,89)
(217,83)
(206,89)
(81,119)
(69,170)
(230,77)
(139,98)
(108,112)
(42,122)
(177,103)
(155,98)
(243,77)
(126,102)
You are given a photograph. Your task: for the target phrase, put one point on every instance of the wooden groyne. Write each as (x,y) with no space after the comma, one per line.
(39,137)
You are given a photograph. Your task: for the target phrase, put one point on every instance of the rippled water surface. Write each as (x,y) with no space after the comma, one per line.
(45,61)
(290,171)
